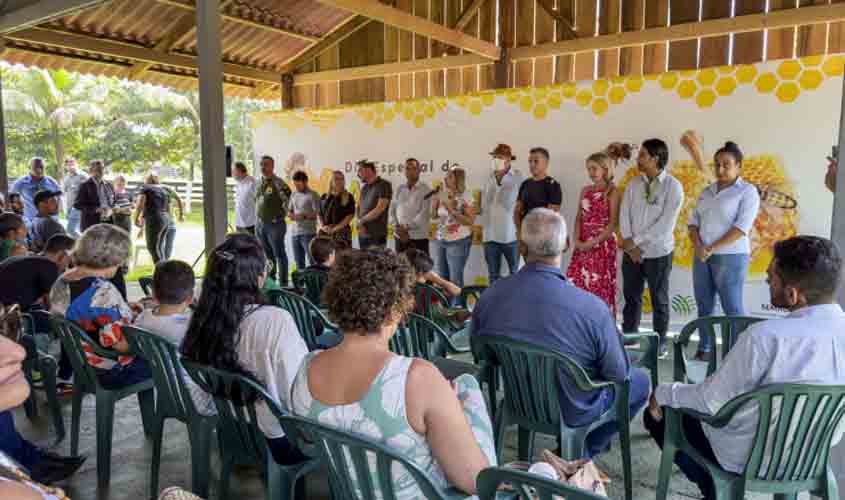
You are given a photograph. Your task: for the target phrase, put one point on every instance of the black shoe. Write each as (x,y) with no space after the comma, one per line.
(663,350)
(53,468)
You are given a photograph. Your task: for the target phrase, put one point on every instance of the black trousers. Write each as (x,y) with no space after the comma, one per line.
(656,273)
(403,246)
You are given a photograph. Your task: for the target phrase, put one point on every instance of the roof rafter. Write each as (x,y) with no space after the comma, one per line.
(42,12)
(338,34)
(378,70)
(549,7)
(468,13)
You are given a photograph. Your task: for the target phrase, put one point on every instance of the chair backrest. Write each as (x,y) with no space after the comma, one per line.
(527,486)
(729,329)
(146,283)
(72,338)
(531,377)
(426,296)
(416,337)
(796,426)
(312,281)
(164,360)
(235,398)
(305,314)
(360,468)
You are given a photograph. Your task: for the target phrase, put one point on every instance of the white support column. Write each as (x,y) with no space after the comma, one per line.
(211,117)
(837,234)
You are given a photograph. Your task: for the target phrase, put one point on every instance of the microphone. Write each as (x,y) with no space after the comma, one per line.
(433,192)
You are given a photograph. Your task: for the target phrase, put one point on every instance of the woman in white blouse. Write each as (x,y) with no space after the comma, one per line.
(719,228)
(455,217)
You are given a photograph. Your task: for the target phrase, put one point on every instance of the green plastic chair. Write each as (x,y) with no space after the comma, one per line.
(427,299)
(646,356)
(470,295)
(419,337)
(310,320)
(526,486)
(358,466)
(531,382)
(85,382)
(790,451)
(146,284)
(173,400)
(730,327)
(312,283)
(46,365)
(241,440)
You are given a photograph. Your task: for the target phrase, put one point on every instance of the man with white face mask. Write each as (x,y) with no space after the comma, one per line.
(497,208)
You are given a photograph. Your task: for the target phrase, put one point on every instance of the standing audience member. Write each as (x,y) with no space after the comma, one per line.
(405,403)
(44,225)
(29,185)
(650,208)
(15,204)
(719,228)
(12,236)
(173,291)
(804,347)
(323,254)
(95,199)
(244,199)
(498,205)
(593,264)
(303,209)
(373,207)
(540,191)
(85,296)
(70,186)
(271,207)
(153,214)
(123,205)
(455,218)
(337,209)
(540,306)
(21,462)
(231,330)
(409,211)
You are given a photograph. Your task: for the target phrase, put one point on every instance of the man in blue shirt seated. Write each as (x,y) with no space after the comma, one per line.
(29,185)
(539,305)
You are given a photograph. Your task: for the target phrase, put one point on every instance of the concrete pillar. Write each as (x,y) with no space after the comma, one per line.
(211,118)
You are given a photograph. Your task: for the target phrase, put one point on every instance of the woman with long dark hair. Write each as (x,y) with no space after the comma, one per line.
(232,330)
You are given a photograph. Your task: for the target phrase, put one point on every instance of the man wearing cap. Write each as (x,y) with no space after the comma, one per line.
(29,185)
(373,207)
(44,225)
(540,191)
(497,208)
(96,197)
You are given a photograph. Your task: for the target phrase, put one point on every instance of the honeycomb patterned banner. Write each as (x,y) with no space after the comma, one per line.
(783,114)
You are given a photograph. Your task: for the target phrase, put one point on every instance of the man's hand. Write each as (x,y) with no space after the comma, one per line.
(402,233)
(636,254)
(362,230)
(654,408)
(702,253)
(830,177)
(628,244)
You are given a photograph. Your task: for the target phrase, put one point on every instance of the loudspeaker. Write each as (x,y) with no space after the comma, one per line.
(230,158)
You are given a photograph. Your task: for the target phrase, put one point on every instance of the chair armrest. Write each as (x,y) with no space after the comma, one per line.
(632,338)
(720,419)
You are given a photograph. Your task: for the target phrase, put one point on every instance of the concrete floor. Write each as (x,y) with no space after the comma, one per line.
(132,452)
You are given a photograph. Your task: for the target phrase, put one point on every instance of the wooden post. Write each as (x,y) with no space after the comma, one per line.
(504,70)
(287,91)
(4,172)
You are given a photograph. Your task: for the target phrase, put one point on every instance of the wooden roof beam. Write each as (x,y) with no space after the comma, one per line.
(42,12)
(246,22)
(468,14)
(549,7)
(689,31)
(338,34)
(400,19)
(378,70)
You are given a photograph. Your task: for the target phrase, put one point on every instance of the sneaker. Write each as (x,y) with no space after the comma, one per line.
(663,350)
(64,388)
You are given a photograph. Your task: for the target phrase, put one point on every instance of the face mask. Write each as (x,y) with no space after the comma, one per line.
(497,164)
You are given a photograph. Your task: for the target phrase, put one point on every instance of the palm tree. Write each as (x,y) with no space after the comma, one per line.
(57,102)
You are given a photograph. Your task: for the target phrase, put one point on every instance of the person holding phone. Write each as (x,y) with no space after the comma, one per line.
(832,165)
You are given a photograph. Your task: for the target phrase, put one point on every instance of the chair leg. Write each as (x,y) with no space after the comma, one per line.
(786,496)
(225,476)
(200,437)
(105,427)
(76,417)
(30,406)
(831,488)
(48,371)
(158,437)
(501,423)
(667,458)
(279,484)
(525,444)
(625,446)
(146,400)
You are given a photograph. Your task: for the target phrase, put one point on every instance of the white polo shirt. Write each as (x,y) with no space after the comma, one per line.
(718,211)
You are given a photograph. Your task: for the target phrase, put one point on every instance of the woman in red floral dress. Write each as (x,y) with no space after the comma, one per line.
(593,264)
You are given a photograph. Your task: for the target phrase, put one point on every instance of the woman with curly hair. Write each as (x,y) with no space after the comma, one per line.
(232,330)
(404,403)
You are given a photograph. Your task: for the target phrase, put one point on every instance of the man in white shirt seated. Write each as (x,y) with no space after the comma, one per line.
(800,348)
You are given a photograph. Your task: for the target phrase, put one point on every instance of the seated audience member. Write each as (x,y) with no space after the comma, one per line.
(39,466)
(539,305)
(173,292)
(12,236)
(85,296)
(15,204)
(231,330)
(44,225)
(445,430)
(444,316)
(805,346)
(322,252)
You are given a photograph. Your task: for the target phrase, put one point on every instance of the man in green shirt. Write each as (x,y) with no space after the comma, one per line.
(271,206)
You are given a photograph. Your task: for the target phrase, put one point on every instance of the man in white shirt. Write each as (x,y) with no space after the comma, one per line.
(497,209)
(244,199)
(410,211)
(804,347)
(70,187)
(650,209)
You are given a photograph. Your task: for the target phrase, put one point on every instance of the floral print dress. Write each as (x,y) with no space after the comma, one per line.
(380,415)
(594,270)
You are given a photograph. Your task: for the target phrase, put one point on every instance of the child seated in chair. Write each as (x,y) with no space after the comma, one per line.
(173,294)
(450,319)
(12,236)
(322,252)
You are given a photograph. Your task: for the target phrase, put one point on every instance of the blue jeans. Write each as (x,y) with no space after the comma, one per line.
(160,233)
(493,253)
(723,275)
(272,238)
(598,441)
(14,445)
(300,245)
(450,259)
(121,376)
(74,217)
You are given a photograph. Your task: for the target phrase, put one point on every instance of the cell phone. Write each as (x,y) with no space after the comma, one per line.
(834,153)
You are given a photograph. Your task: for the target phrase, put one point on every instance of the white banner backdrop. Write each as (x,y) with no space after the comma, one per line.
(784,115)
